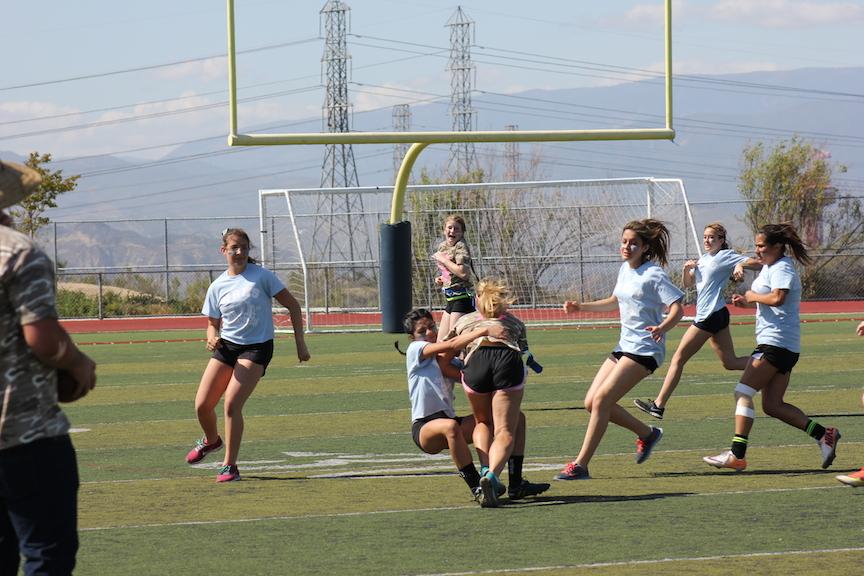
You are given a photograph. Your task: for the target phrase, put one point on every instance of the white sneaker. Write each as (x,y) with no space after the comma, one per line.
(828,445)
(726,460)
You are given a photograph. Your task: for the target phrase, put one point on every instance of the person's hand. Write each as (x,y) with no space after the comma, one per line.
(689,265)
(571,306)
(656,333)
(213,343)
(439,280)
(860,329)
(740,300)
(498,332)
(440,257)
(84,374)
(738,272)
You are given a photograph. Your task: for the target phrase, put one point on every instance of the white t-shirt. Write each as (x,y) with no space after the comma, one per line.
(244,303)
(643,295)
(711,274)
(779,325)
(428,390)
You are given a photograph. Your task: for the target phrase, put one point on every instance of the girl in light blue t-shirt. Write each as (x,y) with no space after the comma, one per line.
(641,295)
(710,275)
(238,307)
(776,294)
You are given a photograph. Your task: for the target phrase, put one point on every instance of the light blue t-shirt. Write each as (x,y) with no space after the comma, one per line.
(711,274)
(779,325)
(244,303)
(643,295)
(428,389)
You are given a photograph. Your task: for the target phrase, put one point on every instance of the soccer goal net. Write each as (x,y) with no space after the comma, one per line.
(550,241)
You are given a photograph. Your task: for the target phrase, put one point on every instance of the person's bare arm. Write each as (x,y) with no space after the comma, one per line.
(286,299)
(52,346)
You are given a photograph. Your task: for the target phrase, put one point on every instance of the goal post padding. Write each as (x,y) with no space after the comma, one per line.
(395,276)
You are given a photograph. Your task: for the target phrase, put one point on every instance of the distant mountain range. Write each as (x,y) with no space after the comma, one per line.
(714,117)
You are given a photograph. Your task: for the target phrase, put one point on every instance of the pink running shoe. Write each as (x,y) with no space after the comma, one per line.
(228,473)
(201,449)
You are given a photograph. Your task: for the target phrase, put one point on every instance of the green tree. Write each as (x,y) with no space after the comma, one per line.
(29,212)
(792,182)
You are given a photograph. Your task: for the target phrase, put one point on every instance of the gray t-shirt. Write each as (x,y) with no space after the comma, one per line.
(28,388)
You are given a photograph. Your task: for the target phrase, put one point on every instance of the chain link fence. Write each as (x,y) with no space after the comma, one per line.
(155,267)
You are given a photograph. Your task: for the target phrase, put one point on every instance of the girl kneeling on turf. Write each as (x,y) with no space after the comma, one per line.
(238,307)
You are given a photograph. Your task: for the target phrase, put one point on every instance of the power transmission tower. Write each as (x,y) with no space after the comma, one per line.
(401,123)
(338,215)
(512,159)
(463,158)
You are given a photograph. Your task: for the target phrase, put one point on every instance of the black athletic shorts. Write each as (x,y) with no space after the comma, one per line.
(462,305)
(647,361)
(716,322)
(229,352)
(494,368)
(420,422)
(781,358)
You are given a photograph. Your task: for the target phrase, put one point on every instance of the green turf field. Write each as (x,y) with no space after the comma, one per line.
(332,483)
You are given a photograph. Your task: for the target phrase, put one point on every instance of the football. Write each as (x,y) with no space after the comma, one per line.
(66,386)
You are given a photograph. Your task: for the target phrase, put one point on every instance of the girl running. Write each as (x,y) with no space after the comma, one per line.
(642,293)
(240,335)
(709,274)
(454,266)
(776,294)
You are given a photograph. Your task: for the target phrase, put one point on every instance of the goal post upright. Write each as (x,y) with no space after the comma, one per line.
(395,295)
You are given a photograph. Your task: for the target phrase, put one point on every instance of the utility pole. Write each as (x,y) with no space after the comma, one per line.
(463,158)
(512,171)
(401,123)
(333,234)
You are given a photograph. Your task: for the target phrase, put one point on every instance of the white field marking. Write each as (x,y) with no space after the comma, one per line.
(78,430)
(649,562)
(419,510)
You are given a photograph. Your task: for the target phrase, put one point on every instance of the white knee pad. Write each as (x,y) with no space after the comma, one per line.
(745,390)
(744,405)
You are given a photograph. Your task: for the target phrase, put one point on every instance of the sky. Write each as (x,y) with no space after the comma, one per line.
(136,79)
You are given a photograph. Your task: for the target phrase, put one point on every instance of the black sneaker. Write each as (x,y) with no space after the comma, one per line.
(649,408)
(526,488)
(644,447)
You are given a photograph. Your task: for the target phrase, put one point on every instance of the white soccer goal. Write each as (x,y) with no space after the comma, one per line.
(550,240)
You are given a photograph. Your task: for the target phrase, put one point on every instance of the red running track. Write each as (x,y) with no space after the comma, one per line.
(853,308)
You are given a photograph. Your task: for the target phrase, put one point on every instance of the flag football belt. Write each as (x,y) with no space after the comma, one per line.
(452,294)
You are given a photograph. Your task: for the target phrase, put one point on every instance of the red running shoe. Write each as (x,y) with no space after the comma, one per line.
(201,449)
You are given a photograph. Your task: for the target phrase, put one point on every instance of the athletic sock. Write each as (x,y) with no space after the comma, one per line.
(814,429)
(739,445)
(514,470)
(470,475)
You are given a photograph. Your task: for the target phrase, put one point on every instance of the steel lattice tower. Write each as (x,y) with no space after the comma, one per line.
(333,236)
(512,158)
(401,123)
(463,158)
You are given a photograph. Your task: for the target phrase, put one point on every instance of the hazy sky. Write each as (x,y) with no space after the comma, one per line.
(137,78)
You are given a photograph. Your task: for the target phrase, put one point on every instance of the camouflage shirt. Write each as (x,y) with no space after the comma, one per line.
(458,254)
(517,340)
(28,388)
